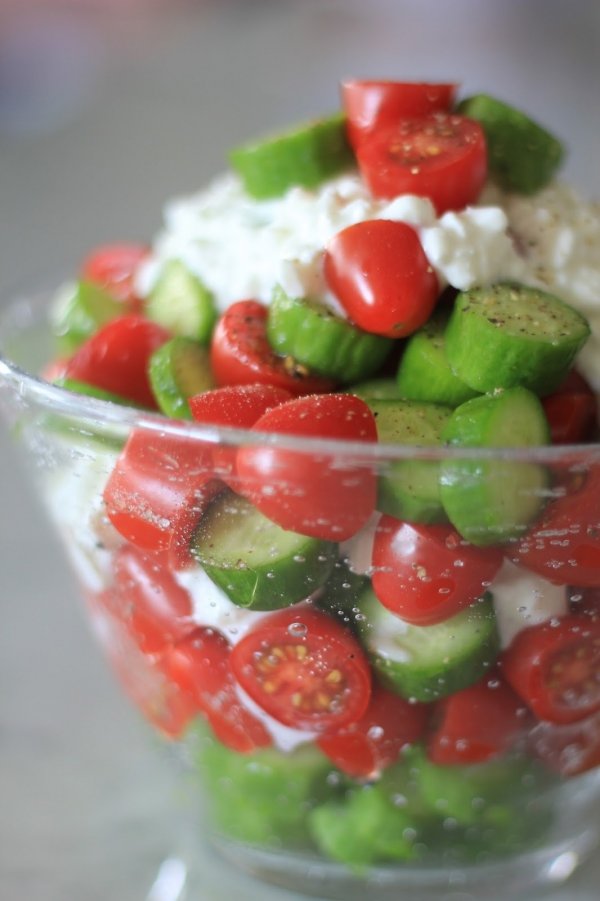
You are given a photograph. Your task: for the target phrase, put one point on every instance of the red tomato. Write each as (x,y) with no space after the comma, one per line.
(236,406)
(378,271)
(567,750)
(304,669)
(572,411)
(477,724)
(241,354)
(427,573)
(114,266)
(564,545)
(161,703)
(555,668)
(116,358)
(307,491)
(158,490)
(153,607)
(442,157)
(365,748)
(373,105)
(200,666)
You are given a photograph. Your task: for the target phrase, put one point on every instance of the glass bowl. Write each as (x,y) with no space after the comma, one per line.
(327,743)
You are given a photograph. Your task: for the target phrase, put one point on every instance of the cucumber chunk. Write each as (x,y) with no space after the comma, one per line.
(424,373)
(258,564)
(510,334)
(492,500)
(522,156)
(80,309)
(312,334)
(80,387)
(178,370)
(182,303)
(376,389)
(409,489)
(306,156)
(425,663)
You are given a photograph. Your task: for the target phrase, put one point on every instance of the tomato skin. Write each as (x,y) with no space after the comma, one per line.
(477,724)
(116,358)
(554,668)
(304,491)
(416,574)
(567,750)
(114,267)
(375,741)
(235,406)
(564,545)
(378,271)
(158,490)
(241,354)
(571,411)
(442,157)
(200,665)
(304,669)
(153,607)
(373,105)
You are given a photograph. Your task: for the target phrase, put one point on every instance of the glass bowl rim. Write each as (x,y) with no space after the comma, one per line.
(23,312)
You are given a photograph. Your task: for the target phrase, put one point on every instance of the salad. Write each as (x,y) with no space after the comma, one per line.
(394,658)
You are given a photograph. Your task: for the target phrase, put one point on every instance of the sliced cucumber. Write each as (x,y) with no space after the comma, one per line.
(376,389)
(425,663)
(80,387)
(424,373)
(510,334)
(308,331)
(182,303)
(522,156)
(305,156)
(487,500)
(178,370)
(409,489)
(80,308)
(258,564)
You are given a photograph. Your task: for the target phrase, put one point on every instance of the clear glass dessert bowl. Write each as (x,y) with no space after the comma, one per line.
(331,743)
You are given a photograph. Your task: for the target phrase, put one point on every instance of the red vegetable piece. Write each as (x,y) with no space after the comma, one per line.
(114,267)
(572,411)
(568,749)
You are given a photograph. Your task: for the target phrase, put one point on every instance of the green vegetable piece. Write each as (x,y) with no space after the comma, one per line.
(376,389)
(522,156)
(313,335)
(341,592)
(178,370)
(257,563)
(182,303)
(424,373)
(79,387)
(80,309)
(429,662)
(510,334)
(491,500)
(409,489)
(306,156)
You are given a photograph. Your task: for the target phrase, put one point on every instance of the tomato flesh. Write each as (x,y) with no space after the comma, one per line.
(427,573)
(373,105)
(114,267)
(571,411)
(304,669)
(568,749)
(555,668)
(442,157)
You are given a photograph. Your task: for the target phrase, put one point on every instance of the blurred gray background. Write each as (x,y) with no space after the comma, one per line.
(107,108)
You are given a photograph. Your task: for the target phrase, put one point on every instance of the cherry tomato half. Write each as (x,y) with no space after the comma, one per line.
(564,545)
(373,105)
(304,669)
(375,741)
(311,492)
(442,157)
(555,668)
(378,271)
(571,411)
(569,749)
(241,354)
(158,490)
(200,666)
(477,724)
(427,573)
(116,358)
(114,267)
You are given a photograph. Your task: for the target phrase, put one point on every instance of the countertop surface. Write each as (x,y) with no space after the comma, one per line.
(106,111)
